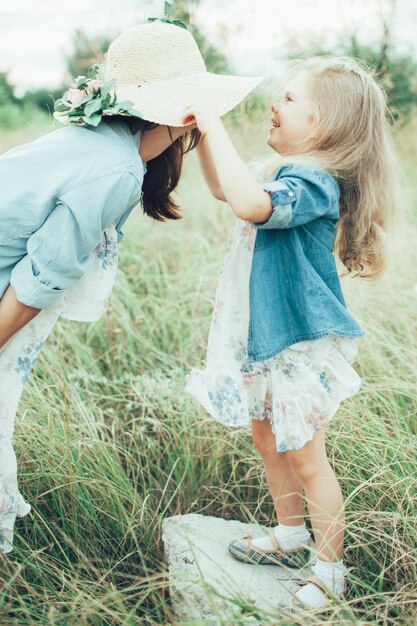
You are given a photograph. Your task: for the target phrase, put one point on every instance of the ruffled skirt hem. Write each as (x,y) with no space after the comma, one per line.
(299,391)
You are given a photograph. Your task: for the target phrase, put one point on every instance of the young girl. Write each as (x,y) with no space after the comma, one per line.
(282,341)
(65,197)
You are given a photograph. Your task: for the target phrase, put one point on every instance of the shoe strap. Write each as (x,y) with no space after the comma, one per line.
(274,541)
(249,539)
(278,548)
(320,584)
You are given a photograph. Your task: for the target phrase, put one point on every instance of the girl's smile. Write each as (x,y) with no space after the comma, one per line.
(293,118)
(274,125)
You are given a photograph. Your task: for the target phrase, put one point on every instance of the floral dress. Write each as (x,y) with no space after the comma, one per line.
(299,390)
(86,300)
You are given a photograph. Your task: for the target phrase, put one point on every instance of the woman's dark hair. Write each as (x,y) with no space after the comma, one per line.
(163,172)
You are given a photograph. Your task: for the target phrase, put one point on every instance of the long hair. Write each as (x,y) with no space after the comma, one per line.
(352,141)
(163,172)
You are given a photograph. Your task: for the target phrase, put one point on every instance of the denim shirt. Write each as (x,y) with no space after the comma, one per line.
(58,195)
(294,289)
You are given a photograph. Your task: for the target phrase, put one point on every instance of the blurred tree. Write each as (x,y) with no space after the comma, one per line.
(6,90)
(10,106)
(397,72)
(43,99)
(85,53)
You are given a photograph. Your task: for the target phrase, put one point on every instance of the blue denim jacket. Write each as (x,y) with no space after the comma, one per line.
(58,195)
(294,288)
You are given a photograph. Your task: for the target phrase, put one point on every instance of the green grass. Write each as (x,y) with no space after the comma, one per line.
(109,444)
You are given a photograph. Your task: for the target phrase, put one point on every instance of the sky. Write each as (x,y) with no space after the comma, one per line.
(36,35)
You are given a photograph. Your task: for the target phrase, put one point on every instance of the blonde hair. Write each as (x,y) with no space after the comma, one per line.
(352,141)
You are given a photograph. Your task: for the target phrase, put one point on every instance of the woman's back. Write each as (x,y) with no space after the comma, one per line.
(39,172)
(55,206)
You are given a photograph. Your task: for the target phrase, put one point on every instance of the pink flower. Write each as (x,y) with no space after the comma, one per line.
(316,421)
(247,229)
(248,379)
(94,83)
(75,96)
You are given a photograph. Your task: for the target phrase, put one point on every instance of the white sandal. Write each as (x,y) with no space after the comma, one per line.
(296,605)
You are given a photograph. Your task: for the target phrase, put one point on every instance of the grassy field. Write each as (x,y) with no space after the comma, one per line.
(109,444)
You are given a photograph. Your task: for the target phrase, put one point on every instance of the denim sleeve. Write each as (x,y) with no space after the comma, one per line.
(58,253)
(300,196)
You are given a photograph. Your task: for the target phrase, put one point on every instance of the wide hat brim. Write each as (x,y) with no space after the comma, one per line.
(164,102)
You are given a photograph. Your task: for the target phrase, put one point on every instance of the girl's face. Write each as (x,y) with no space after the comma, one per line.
(293,119)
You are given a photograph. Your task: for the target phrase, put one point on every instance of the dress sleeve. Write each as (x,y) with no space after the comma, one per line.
(58,253)
(301,195)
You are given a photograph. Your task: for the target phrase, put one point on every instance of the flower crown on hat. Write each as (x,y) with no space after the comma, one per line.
(90,98)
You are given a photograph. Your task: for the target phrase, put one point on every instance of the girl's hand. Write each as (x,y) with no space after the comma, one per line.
(205,115)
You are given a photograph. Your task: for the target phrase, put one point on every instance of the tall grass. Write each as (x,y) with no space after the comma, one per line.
(109,444)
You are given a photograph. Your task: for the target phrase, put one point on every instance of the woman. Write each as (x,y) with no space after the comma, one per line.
(67,195)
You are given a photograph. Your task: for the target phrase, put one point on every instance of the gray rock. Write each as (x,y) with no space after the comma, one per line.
(207,584)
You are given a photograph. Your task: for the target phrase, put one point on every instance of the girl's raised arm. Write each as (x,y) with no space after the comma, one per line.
(209,169)
(239,186)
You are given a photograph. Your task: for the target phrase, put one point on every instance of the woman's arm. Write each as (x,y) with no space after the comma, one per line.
(241,190)
(155,141)
(209,170)
(13,315)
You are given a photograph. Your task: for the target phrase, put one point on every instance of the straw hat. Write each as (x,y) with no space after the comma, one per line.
(159,68)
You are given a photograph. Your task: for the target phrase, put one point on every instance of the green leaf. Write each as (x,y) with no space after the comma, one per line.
(107,87)
(105,101)
(166,20)
(81,83)
(115,108)
(125,104)
(94,71)
(179,23)
(134,112)
(167,9)
(83,101)
(93,106)
(76,113)
(61,106)
(92,120)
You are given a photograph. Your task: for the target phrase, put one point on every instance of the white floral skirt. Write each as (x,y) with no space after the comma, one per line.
(299,390)
(86,300)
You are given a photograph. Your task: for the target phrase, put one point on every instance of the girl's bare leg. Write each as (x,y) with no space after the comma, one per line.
(323,495)
(284,484)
